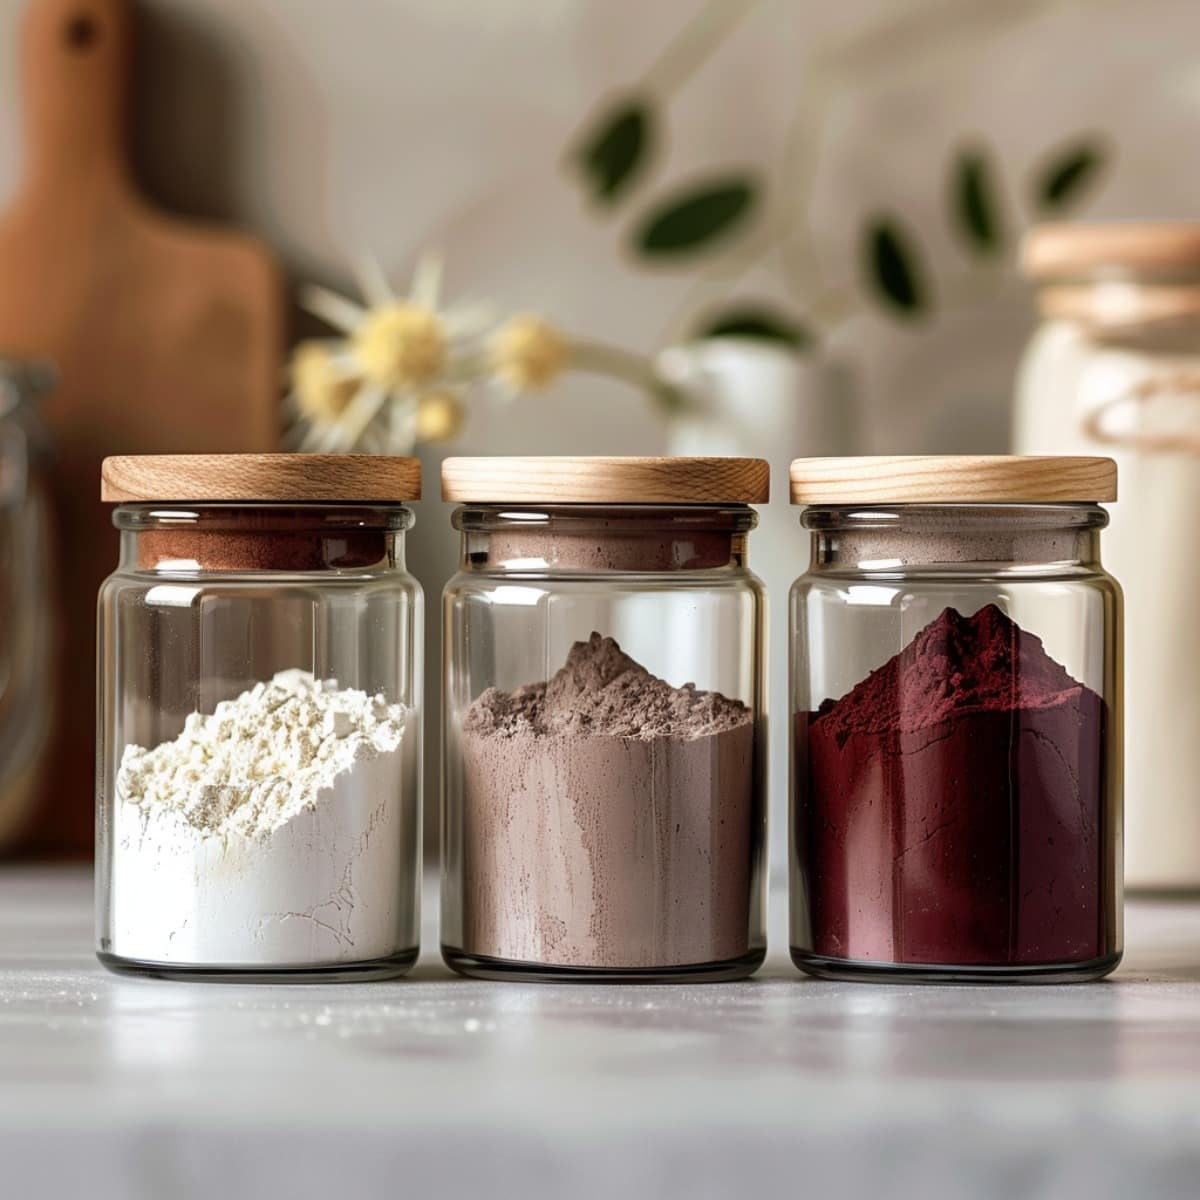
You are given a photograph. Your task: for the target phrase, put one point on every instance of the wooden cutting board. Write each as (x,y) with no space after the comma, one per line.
(168,336)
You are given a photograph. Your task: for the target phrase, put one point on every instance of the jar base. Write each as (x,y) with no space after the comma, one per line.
(357,972)
(480,966)
(857,971)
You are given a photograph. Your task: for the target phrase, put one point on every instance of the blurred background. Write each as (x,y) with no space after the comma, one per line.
(795,225)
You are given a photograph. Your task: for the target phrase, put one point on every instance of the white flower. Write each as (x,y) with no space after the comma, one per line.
(366,391)
(528,354)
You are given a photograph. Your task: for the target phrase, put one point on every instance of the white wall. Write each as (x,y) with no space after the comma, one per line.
(395,124)
(330,126)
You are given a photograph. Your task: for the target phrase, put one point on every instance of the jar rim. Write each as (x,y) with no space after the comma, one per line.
(219,516)
(612,518)
(970,518)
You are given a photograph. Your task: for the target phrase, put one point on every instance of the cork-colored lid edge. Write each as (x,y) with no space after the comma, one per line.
(259,478)
(954,479)
(1063,248)
(606,480)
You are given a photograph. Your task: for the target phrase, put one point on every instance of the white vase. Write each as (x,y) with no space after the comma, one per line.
(758,399)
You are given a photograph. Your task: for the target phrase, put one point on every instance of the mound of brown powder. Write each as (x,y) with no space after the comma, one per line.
(608,819)
(601,690)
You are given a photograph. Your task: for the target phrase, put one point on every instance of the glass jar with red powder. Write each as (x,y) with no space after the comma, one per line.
(956,710)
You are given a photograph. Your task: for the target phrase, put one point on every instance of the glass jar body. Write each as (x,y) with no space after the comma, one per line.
(258,783)
(956,764)
(28,650)
(1132,391)
(604,745)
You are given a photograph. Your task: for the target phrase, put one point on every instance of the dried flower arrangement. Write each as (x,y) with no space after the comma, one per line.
(402,370)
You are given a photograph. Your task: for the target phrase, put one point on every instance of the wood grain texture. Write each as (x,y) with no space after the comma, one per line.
(186,478)
(569,480)
(953,479)
(168,337)
(1066,248)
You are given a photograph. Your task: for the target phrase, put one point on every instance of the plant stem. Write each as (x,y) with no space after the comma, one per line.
(684,56)
(634,369)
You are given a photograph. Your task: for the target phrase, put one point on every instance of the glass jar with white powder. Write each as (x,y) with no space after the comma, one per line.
(258,781)
(604,720)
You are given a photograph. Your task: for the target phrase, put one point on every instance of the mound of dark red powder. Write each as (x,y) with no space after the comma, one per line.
(951,806)
(956,665)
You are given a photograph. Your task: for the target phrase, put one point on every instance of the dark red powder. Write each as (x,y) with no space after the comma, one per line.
(952,807)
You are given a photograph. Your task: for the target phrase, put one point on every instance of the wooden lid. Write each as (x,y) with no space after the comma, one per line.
(337,478)
(1063,249)
(606,480)
(954,479)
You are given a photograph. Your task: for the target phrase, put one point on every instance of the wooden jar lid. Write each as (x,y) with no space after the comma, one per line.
(252,478)
(954,479)
(606,480)
(1064,249)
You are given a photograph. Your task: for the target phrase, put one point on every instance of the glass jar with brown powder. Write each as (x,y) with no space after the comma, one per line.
(956,712)
(604,723)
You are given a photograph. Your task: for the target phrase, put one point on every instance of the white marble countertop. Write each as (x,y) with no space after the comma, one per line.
(434,1085)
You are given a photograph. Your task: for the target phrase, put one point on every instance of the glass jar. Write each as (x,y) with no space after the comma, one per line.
(956,711)
(1114,368)
(28,649)
(604,721)
(258,784)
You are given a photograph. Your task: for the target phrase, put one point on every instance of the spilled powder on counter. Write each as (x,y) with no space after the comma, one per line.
(269,832)
(951,805)
(607,819)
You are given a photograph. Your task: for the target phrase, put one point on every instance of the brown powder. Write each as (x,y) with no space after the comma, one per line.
(608,538)
(268,538)
(229,550)
(607,819)
(612,546)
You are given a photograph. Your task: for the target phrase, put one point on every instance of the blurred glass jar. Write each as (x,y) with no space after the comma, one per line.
(27,633)
(957,721)
(258,786)
(1114,368)
(604,720)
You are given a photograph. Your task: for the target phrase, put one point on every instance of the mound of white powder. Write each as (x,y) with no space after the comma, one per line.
(277,831)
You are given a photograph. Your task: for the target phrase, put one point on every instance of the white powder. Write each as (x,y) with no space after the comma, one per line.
(279,830)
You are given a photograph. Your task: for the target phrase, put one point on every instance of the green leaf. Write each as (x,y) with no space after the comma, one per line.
(975,207)
(1060,182)
(755,321)
(617,148)
(891,267)
(695,219)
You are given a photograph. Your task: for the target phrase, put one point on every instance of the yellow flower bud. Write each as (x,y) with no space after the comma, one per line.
(400,346)
(440,416)
(322,393)
(529,354)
